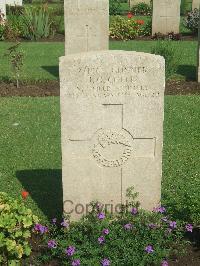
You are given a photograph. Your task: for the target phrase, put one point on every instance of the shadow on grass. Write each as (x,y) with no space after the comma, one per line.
(188,71)
(194,238)
(53,70)
(45,188)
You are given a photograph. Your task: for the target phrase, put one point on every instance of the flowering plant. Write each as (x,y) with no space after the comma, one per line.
(16,222)
(142,9)
(131,237)
(125,28)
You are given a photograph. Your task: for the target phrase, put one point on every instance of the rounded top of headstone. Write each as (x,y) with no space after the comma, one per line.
(113,54)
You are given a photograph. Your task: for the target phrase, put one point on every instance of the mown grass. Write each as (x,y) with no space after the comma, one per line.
(30,151)
(31,155)
(42,59)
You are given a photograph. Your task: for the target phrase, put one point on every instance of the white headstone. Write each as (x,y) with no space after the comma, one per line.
(166,16)
(14,2)
(86,25)
(198,55)
(3,7)
(195,4)
(112,128)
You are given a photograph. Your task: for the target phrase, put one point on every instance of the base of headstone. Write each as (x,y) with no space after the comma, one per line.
(166,16)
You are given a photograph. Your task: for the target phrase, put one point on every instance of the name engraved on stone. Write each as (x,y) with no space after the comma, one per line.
(112,148)
(122,69)
(121,81)
(105,91)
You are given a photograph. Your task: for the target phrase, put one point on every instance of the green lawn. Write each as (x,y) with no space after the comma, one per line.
(30,151)
(41,59)
(31,156)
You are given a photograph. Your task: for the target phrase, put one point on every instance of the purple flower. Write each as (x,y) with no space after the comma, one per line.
(164,263)
(149,249)
(172,224)
(134,211)
(40,228)
(189,227)
(128,226)
(52,244)
(70,251)
(101,239)
(76,262)
(152,226)
(105,231)
(160,209)
(105,262)
(54,220)
(101,216)
(65,224)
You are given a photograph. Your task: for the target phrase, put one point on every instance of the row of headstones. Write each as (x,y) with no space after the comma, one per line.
(166,19)
(166,14)
(111,112)
(3,4)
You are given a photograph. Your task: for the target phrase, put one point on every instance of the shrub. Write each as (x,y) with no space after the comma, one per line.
(13,28)
(16,60)
(186,6)
(192,20)
(15,10)
(146,29)
(2,26)
(58,10)
(142,9)
(114,7)
(122,28)
(16,222)
(171,36)
(12,31)
(168,51)
(133,237)
(37,23)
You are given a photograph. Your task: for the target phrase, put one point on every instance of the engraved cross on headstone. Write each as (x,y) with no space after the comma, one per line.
(112,145)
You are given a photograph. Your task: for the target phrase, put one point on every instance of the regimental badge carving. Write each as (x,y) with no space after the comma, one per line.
(112,148)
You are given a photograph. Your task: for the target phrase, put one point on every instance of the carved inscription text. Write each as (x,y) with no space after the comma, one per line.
(120,81)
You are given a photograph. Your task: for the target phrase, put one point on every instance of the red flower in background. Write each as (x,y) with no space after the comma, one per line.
(129,15)
(140,21)
(24,194)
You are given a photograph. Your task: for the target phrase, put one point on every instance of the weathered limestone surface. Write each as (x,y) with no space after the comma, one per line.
(195,4)
(3,7)
(14,2)
(86,25)
(166,16)
(112,127)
